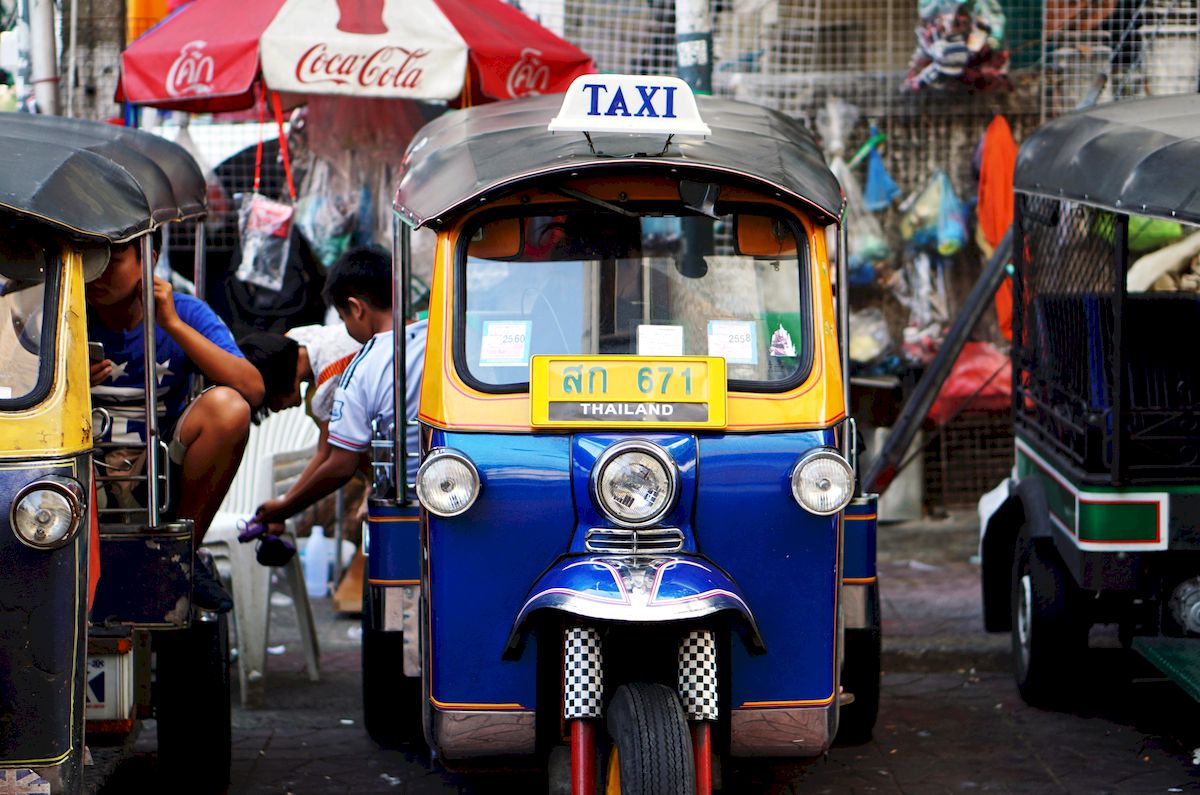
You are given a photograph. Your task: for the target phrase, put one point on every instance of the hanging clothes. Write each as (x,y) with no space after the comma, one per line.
(995,208)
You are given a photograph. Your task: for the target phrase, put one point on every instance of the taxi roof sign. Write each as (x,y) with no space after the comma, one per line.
(639,104)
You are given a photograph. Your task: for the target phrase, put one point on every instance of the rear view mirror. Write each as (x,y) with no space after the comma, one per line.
(499,239)
(763,236)
(95,260)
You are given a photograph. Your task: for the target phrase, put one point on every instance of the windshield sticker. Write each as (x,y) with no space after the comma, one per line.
(660,340)
(733,340)
(5,393)
(505,343)
(781,343)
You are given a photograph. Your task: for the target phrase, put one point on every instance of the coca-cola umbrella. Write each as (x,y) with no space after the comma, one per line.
(210,54)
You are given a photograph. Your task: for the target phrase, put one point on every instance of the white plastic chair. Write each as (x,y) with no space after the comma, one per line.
(276,453)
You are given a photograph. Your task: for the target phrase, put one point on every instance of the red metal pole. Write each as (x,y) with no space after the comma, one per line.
(702,749)
(583,757)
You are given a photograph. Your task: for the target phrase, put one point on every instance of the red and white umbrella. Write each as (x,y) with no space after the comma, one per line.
(210,54)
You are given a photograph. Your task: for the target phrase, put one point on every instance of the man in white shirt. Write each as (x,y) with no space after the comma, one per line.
(359,287)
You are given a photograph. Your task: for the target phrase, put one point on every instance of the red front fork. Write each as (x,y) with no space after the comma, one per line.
(702,750)
(583,757)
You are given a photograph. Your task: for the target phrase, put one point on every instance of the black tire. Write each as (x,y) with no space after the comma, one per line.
(861,677)
(391,700)
(1049,628)
(650,734)
(192,693)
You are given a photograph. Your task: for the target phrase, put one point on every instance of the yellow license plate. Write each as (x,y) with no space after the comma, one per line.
(627,391)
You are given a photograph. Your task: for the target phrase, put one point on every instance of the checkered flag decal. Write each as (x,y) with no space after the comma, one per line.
(583,674)
(698,675)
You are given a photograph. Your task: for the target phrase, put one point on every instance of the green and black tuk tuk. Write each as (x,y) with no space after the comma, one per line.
(1100,521)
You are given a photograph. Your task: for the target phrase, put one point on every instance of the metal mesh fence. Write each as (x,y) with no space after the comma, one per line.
(99,39)
(794,55)
(1132,48)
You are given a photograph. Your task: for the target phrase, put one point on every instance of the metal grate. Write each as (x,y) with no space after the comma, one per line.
(967,457)
(620,541)
(1064,361)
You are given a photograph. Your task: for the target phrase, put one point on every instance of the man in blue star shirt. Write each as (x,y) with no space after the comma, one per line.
(207,436)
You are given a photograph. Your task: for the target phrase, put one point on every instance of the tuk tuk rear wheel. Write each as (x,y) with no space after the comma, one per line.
(860,676)
(193,704)
(391,701)
(1049,631)
(650,741)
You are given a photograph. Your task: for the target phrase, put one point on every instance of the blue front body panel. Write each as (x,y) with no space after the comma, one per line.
(482,563)
(394,556)
(735,508)
(784,559)
(43,598)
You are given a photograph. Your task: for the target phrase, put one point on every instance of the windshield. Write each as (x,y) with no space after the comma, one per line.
(601,283)
(26,349)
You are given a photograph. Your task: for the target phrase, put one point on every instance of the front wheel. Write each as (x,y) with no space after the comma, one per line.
(1049,631)
(651,745)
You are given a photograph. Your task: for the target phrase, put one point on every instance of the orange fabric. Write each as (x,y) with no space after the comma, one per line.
(335,369)
(93,547)
(995,210)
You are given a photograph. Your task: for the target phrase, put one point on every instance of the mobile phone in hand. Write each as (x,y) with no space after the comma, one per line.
(95,352)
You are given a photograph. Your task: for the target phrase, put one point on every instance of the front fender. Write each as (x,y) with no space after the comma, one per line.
(637,590)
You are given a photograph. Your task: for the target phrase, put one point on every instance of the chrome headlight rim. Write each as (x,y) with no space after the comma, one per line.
(71,490)
(814,455)
(651,449)
(437,455)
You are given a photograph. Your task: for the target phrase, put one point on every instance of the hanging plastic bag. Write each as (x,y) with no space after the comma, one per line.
(265,225)
(869,338)
(918,219)
(951,220)
(934,217)
(326,215)
(881,190)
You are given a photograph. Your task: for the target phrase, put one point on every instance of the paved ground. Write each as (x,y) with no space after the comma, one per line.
(950,721)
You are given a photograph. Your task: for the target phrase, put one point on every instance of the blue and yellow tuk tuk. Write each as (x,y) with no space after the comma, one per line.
(95,614)
(638,548)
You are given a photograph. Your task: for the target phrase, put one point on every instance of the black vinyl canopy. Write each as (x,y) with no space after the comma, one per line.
(1140,157)
(463,156)
(95,180)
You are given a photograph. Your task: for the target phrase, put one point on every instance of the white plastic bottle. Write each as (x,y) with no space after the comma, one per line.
(316,562)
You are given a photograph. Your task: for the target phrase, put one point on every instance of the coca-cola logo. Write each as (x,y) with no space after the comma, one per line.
(192,72)
(528,76)
(386,67)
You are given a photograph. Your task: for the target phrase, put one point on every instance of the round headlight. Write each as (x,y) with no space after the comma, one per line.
(447,482)
(823,483)
(634,483)
(46,513)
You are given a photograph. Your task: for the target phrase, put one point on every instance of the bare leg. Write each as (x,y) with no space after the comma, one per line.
(215,431)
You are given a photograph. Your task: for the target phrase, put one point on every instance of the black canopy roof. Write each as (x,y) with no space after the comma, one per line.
(463,155)
(95,180)
(1140,157)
